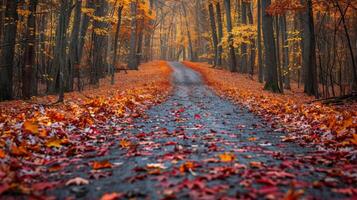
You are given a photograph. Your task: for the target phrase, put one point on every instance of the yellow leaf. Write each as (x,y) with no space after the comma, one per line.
(54,143)
(31,126)
(227,157)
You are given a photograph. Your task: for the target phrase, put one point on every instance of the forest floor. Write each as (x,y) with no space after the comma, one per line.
(194,145)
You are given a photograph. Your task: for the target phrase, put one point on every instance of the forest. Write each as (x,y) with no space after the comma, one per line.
(203,99)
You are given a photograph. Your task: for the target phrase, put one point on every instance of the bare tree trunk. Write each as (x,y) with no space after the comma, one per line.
(116,41)
(270,53)
(260,54)
(74,50)
(29,73)
(220,34)
(286,61)
(309,53)
(7,53)
(190,45)
(232,55)
(252,42)
(133,64)
(244,53)
(214,33)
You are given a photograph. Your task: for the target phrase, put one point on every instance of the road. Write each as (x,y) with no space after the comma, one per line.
(198,145)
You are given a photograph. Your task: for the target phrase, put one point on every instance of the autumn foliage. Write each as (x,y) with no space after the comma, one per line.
(294,112)
(38,138)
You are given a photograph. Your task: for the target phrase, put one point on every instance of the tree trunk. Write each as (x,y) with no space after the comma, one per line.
(244,54)
(99,40)
(309,53)
(232,55)
(190,45)
(132,63)
(74,50)
(220,34)
(7,53)
(29,72)
(214,33)
(252,42)
(286,61)
(270,53)
(116,41)
(260,54)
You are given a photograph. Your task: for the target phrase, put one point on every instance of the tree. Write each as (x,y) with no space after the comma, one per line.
(232,55)
(259,41)
(116,41)
(214,32)
(29,72)
(132,63)
(270,53)
(7,53)
(309,52)
(220,34)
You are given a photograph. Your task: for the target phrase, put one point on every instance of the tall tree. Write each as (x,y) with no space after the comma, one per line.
(132,63)
(116,41)
(259,41)
(74,50)
(244,54)
(8,52)
(286,61)
(309,52)
(270,53)
(29,71)
(214,32)
(220,33)
(232,55)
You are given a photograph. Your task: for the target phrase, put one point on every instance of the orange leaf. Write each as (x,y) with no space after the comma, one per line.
(252,139)
(101,164)
(256,164)
(111,196)
(124,143)
(227,157)
(187,166)
(18,151)
(354,139)
(31,126)
(2,153)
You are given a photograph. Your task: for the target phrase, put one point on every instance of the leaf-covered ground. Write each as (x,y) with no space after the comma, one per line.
(195,145)
(38,139)
(332,127)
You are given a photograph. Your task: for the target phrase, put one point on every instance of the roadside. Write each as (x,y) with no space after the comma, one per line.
(34,136)
(332,128)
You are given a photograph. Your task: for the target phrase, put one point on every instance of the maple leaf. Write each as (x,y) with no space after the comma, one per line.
(125,143)
(101,164)
(112,196)
(54,142)
(252,139)
(30,126)
(293,194)
(197,116)
(2,153)
(227,157)
(77,181)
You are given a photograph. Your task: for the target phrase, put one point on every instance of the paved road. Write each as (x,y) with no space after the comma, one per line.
(180,149)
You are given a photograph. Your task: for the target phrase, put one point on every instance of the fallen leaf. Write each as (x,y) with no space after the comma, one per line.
(2,153)
(101,164)
(226,157)
(112,196)
(31,126)
(77,181)
(124,143)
